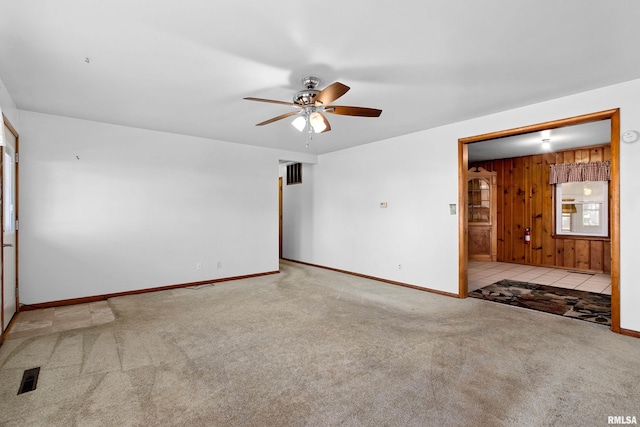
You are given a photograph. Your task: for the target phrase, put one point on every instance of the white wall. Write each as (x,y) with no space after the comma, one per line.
(416,175)
(107,209)
(352,232)
(8,107)
(297,208)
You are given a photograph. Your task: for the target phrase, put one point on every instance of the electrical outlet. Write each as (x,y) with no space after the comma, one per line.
(198,266)
(219,264)
(399,266)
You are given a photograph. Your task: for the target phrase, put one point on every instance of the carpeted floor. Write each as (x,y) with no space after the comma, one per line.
(582,305)
(311,347)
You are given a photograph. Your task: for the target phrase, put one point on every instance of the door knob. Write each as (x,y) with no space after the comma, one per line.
(7,245)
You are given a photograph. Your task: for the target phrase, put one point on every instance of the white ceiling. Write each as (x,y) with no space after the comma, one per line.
(185,66)
(561,139)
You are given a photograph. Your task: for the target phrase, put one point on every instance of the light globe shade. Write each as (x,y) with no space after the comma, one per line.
(317,122)
(299,123)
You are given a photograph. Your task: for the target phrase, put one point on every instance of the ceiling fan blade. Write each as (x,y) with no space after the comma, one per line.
(280,117)
(353,111)
(331,93)
(271,101)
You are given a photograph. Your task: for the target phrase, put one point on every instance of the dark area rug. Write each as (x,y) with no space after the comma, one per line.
(581,305)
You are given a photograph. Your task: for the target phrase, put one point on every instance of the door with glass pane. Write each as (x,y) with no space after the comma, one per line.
(9,241)
(481,215)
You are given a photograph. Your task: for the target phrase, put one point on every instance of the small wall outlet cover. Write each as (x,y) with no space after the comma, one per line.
(383,204)
(452,208)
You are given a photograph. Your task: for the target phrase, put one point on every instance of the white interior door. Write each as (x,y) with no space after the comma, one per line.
(8,226)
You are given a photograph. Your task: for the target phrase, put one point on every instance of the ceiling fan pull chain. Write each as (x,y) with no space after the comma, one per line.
(309,132)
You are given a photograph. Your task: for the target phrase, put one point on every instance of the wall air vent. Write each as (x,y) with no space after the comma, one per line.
(294,173)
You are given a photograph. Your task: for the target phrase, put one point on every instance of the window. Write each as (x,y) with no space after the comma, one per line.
(294,173)
(582,208)
(479,200)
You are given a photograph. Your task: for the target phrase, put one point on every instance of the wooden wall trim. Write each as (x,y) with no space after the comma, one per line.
(378,279)
(6,332)
(630,333)
(102,297)
(591,117)
(463,225)
(614,218)
(6,121)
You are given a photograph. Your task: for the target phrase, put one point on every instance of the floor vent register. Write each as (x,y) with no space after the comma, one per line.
(29,380)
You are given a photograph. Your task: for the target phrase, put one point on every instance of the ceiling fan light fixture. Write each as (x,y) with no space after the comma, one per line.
(312,104)
(299,123)
(317,122)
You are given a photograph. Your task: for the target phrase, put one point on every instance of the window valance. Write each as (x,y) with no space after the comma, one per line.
(578,172)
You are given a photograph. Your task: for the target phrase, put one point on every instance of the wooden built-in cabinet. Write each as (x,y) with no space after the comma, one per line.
(525,199)
(481,215)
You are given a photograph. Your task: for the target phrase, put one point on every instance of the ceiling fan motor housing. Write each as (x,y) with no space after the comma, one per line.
(307,96)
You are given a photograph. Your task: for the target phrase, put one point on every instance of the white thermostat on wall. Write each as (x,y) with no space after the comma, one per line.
(630,136)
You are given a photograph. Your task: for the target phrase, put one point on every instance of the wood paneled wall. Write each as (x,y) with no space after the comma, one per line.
(525,199)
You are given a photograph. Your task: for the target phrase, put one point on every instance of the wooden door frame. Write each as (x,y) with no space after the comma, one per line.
(279,217)
(614,214)
(7,123)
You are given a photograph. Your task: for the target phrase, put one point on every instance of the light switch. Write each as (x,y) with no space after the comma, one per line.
(452,208)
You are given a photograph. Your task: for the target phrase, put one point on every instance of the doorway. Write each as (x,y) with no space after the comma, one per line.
(463,165)
(8,217)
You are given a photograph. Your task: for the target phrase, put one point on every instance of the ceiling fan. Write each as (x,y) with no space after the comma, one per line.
(310,104)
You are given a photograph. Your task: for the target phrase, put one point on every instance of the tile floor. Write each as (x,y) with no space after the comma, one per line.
(485,273)
(47,320)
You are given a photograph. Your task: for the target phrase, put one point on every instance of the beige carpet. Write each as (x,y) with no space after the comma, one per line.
(310,347)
